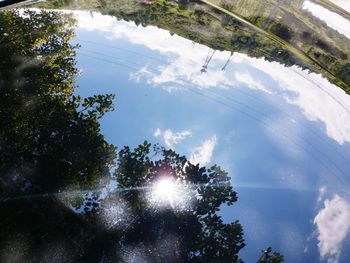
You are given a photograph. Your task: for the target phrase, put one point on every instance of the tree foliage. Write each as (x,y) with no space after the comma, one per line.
(48,134)
(267,257)
(204,236)
(49,138)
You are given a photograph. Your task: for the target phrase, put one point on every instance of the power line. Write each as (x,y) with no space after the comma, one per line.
(285,137)
(256,119)
(110,56)
(119,48)
(306,126)
(106,60)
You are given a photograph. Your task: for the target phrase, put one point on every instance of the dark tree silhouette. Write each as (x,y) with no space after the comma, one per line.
(191,214)
(49,138)
(57,199)
(47,133)
(267,257)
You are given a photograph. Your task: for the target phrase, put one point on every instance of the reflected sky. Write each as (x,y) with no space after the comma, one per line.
(283,134)
(332,19)
(343,4)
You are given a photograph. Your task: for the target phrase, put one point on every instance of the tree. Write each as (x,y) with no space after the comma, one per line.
(49,138)
(42,121)
(267,257)
(183,4)
(191,213)
(281,30)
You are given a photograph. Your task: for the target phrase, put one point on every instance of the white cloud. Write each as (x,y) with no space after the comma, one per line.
(184,67)
(345,4)
(318,99)
(185,60)
(204,152)
(251,83)
(314,95)
(171,138)
(321,192)
(333,20)
(333,225)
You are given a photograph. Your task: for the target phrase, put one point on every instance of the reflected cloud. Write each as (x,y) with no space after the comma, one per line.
(318,99)
(333,20)
(183,68)
(251,83)
(184,60)
(171,138)
(203,153)
(312,94)
(321,193)
(345,4)
(333,225)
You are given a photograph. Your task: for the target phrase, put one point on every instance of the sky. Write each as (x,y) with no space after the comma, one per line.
(345,4)
(282,134)
(333,20)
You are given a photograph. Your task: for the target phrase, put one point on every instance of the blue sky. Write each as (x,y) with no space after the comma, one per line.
(283,134)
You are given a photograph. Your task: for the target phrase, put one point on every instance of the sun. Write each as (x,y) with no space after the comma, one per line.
(167,192)
(165,189)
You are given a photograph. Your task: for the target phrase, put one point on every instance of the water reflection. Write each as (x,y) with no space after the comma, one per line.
(59,140)
(283,32)
(333,226)
(281,132)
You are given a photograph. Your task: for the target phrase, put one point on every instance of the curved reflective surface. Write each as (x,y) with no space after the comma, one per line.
(260,89)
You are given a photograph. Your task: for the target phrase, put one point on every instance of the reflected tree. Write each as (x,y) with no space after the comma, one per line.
(267,257)
(67,195)
(47,132)
(200,23)
(49,138)
(190,214)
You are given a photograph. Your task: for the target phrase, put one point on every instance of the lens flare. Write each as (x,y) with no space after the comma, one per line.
(169,193)
(165,189)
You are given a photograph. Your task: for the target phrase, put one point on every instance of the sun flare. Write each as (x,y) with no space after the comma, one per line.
(166,192)
(165,189)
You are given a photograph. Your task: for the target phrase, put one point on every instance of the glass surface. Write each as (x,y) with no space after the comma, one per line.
(141,131)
